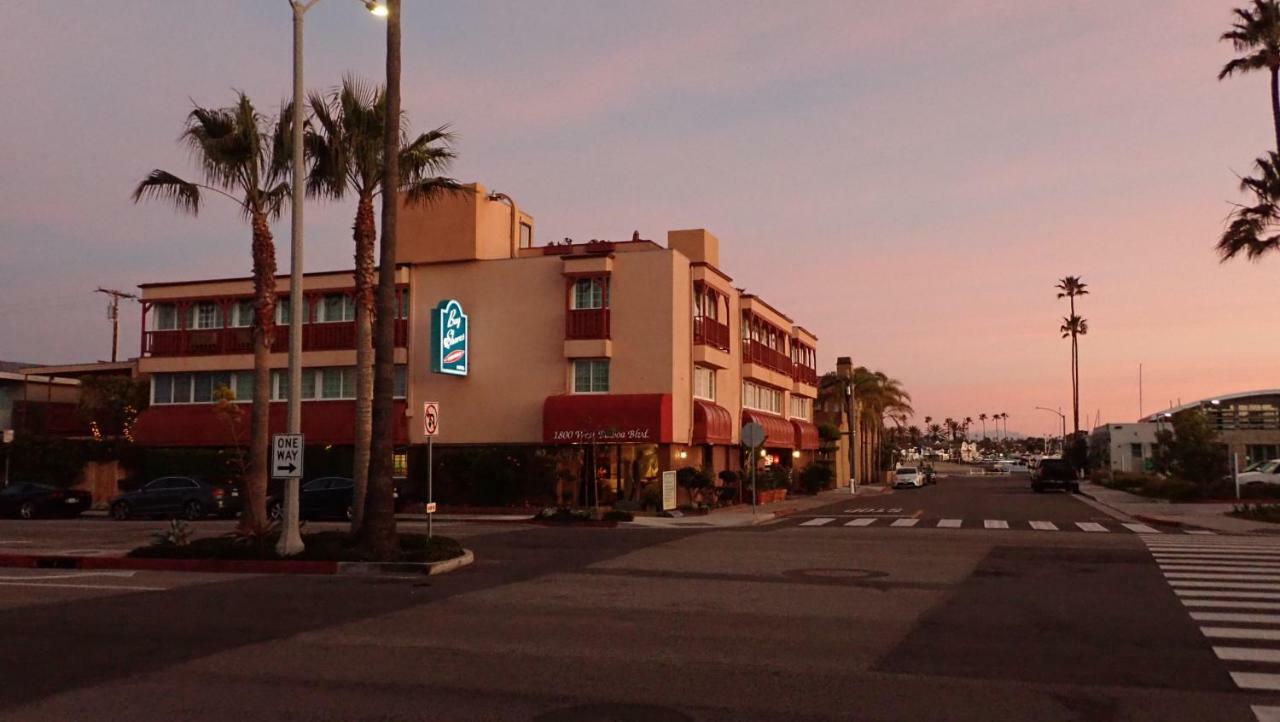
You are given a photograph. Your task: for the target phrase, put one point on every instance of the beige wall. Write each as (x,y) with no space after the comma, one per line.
(458,227)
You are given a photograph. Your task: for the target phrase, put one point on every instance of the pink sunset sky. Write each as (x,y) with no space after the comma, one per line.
(908,179)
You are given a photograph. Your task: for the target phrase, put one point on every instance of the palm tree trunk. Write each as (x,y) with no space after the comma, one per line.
(1075,383)
(1275,104)
(365,234)
(254,515)
(378,534)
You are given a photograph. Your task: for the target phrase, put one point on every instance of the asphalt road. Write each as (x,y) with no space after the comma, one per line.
(778,622)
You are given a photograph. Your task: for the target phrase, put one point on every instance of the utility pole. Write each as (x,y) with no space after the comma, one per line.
(113,315)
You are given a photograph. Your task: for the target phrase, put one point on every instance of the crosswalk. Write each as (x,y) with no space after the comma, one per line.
(911,522)
(1230,586)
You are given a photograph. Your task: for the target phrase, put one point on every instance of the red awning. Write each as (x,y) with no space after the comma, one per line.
(806,435)
(614,418)
(323,422)
(778,434)
(712,424)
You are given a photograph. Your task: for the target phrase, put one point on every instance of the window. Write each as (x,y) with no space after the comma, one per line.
(403,310)
(526,235)
(401,387)
(182,388)
(762,398)
(205,315)
(162,389)
(1261,452)
(282,311)
(336,307)
(801,408)
(166,317)
(399,464)
(1135,450)
(241,314)
(704,382)
(591,376)
(244,385)
(591,293)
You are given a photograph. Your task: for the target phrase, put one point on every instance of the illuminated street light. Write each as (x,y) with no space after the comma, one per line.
(377,8)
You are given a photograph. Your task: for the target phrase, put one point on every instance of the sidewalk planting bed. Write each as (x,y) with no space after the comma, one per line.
(329,546)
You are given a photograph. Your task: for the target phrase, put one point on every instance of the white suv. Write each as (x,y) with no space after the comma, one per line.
(907,476)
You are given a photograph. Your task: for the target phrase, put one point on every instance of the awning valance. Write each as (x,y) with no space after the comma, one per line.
(712,423)
(607,418)
(806,435)
(778,434)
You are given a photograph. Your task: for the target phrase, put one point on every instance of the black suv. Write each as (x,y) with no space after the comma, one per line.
(1055,474)
(189,497)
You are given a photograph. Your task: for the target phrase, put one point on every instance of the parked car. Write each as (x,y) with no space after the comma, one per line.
(1055,474)
(907,476)
(28,500)
(1013,466)
(1266,472)
(189,497)
(328,497)
(930,476)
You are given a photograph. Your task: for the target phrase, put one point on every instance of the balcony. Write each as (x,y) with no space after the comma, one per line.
(710,332)
(758,353)
(804,375)
(586,323)
(336,336)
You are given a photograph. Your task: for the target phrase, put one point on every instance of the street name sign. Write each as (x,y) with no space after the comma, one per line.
(430,418)
(286,456)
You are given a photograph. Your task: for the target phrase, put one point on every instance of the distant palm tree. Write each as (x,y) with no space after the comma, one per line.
(983,419)
(345,147)
(243,156)
(1069,287)
(1256,34)
(1073,327)
(1004,415)
(968,421)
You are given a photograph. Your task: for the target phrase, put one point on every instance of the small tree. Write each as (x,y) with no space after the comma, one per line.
(1190,449)
(694,481)
(231,417)
(112,404)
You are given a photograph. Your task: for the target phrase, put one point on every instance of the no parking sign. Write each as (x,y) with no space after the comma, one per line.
(430,418)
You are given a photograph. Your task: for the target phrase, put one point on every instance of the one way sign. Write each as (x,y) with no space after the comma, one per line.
(286,456)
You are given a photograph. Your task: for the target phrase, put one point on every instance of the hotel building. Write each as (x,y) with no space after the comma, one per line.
(623,357)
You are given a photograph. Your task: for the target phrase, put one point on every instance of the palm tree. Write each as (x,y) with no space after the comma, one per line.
(1073,327)
(243,156)
(345,146)
(1004,415)
(983,419)
(968,421)
(1254,230)
(1069,287)
(878,397)
(1256,34)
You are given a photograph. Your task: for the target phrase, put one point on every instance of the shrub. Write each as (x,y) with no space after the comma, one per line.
(816,476)
(177,535)
(776,476)
(693,480)
(618,515)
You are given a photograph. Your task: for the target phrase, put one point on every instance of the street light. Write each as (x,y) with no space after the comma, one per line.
(1064,426)
(290,542)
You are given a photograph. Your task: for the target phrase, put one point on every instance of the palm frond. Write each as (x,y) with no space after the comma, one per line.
(165,186)
(429,190)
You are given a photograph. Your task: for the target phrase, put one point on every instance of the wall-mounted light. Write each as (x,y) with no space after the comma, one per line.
(795,454)
(763,454)
(684,454)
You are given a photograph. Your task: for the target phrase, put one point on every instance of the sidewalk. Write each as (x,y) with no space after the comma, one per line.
(741,514)
(1207,516)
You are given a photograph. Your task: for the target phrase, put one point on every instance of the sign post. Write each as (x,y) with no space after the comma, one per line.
(753,437)
(8,453)
(430,428)
(286,463)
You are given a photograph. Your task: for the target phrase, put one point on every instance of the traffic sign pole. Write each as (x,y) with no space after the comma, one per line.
(430,427)
(430,492)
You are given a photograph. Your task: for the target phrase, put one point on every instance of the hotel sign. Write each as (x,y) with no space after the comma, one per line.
(450,350)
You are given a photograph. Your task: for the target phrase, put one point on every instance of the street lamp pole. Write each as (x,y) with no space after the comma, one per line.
(1063,417)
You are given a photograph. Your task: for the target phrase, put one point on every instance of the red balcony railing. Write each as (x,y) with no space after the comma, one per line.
(216,341)
(804,374)
(757,353)
(586,323)
(710,332)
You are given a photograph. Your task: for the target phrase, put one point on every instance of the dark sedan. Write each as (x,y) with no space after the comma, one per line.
(27,500)
(188,497)
(328,497)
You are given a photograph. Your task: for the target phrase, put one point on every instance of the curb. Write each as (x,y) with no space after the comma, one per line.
(1157,520)
(234,566)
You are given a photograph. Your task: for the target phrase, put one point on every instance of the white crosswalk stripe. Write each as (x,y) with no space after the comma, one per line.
(1141,528)
(1266,714)
(949,523)
(1091,526)
(1229,586)
(905,522)
(1178,557)
(1044,526)
(818,522)
(861,522)
(995,523)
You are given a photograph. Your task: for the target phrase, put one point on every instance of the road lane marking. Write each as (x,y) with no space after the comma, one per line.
(1240,633)
(1224,577)
(818,522)
(1223,549)
(1256,680)
(1211,594)
(1220,561)
(1247,654)
(861,522)
(1140,528)
(82,586)
(1202,567)
(995,523)
(1044,526)
(950,523)
(1202,531)
(1223,585)
(1091,526)
(1225,604)
(905,522)
(1266,714)
(1236,617)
